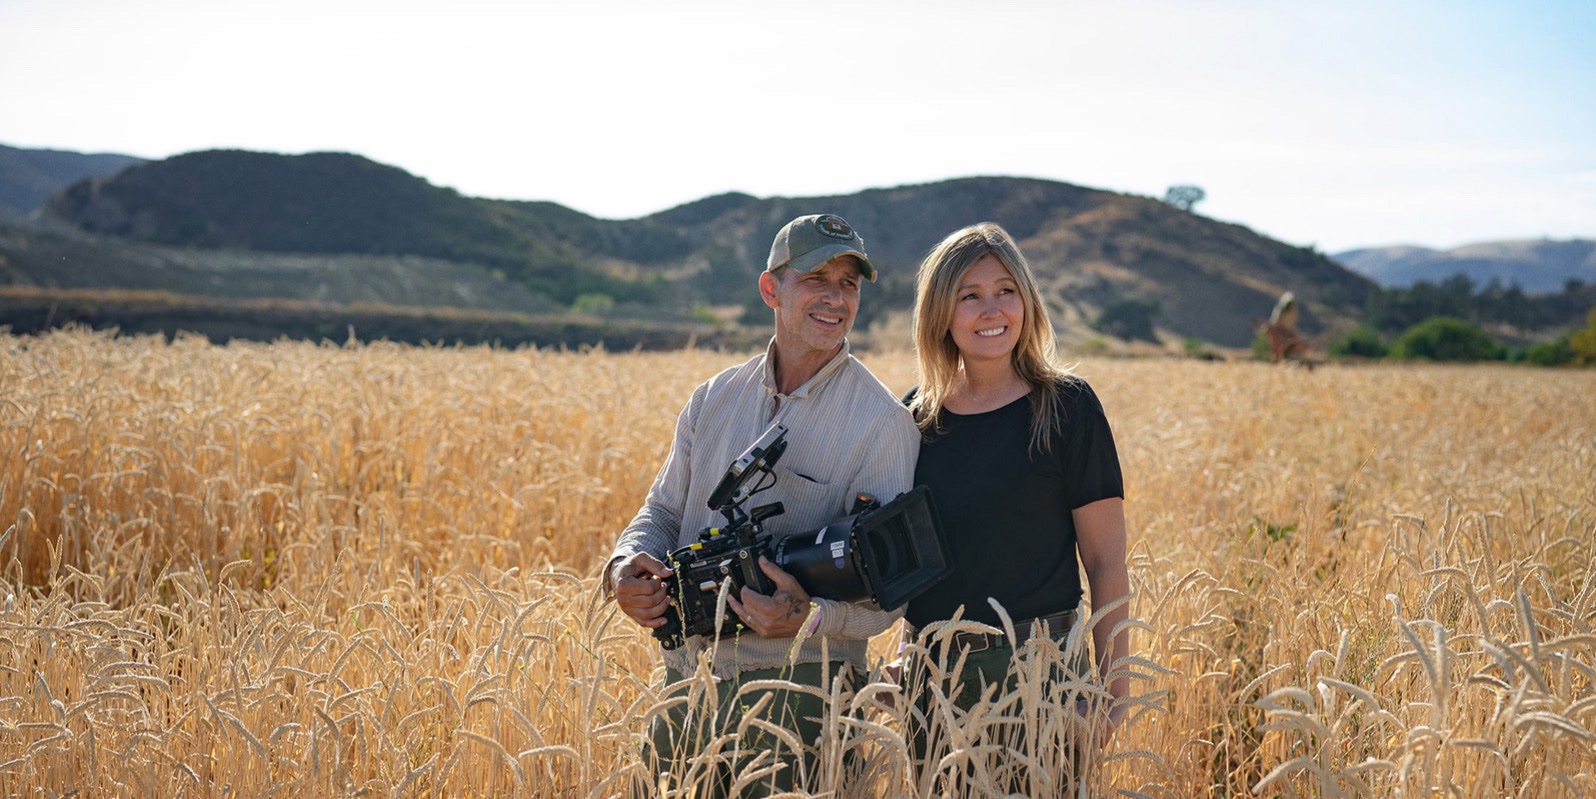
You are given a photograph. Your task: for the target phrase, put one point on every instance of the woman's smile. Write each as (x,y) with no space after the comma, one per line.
(987,311)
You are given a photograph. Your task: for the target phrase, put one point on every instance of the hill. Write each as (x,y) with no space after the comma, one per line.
(1092,249)
(1538,266)
(29,177)
(341,204)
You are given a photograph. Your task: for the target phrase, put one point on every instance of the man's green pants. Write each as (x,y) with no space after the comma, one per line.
(718,743)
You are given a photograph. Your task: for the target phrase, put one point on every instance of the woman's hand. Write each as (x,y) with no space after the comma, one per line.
(891,673)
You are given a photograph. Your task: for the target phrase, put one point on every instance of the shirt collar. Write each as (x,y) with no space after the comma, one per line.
(814,383)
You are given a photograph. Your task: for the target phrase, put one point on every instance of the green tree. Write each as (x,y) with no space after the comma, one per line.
(1360,342)
(1550,353)
(1583,342)
(1184,197)
(1392,310)
(1445,338)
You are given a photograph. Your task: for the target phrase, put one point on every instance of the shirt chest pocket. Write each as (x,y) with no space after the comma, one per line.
(805,495)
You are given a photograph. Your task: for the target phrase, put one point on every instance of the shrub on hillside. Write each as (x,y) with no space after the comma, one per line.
(1260,348)
(1445,338)
(1131,320)
(1583,342)
(1360,342)
(1547,353)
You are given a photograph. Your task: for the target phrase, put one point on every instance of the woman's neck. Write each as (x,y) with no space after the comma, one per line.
(983,387)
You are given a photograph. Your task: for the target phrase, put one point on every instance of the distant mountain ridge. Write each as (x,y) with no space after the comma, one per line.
(1092,249)
(29,177)
(1538,266)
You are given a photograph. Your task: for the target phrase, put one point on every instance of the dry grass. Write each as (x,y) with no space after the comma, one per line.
(322,571)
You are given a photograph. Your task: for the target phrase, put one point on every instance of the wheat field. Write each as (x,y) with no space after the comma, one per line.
(371,570)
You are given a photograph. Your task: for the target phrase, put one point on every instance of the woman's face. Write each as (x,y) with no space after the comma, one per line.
(987,312)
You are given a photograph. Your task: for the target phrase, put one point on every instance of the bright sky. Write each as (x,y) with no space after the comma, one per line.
(1338,124)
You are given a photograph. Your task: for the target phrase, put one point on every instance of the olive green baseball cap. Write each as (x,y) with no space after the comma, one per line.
(808,242)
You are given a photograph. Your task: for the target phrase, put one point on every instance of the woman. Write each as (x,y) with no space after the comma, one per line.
(1022,467)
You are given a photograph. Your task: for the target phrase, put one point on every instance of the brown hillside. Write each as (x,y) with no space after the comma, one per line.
(1092,248)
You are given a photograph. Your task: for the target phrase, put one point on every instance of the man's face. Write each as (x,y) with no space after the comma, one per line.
(814,311)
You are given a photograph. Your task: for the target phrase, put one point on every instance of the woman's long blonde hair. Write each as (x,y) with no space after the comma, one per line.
(937,356)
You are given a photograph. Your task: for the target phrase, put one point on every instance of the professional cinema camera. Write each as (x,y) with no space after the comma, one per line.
(888,553)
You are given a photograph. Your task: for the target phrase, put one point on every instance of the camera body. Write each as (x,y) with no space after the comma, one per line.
(726,559)
(886,554)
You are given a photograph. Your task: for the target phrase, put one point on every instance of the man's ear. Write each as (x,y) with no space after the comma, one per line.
(767,288)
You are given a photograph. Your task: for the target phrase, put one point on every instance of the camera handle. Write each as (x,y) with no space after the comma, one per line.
(763,512)
(753,576)
(747,559)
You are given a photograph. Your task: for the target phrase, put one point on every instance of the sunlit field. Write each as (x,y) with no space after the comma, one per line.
(304,571)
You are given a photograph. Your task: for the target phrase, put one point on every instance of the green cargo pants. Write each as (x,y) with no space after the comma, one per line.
(712,742)
(1009,725)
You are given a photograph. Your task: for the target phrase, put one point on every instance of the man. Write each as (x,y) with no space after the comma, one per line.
(847,434)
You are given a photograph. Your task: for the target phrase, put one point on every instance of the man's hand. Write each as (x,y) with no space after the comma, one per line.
(780,615)
(639,590)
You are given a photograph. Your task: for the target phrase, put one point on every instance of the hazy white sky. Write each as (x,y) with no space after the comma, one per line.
(1334,124)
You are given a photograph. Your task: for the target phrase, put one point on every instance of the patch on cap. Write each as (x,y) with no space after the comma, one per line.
(833,226)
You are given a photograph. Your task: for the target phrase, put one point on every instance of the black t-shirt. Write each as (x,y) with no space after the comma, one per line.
(1005,508)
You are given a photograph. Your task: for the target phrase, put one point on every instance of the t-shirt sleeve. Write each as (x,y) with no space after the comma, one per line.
(1088,460)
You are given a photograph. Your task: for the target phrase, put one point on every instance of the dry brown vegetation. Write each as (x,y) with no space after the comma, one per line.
(322,571)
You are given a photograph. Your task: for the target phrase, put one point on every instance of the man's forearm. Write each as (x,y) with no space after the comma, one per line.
(849,619)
